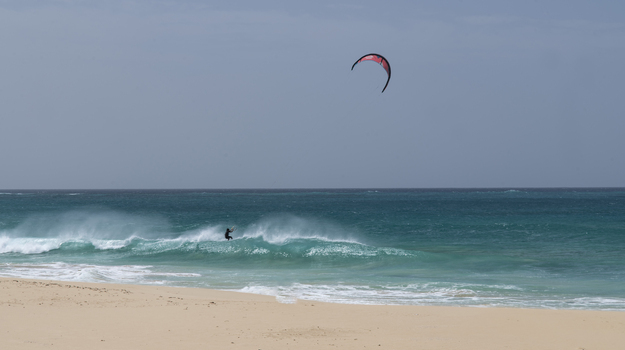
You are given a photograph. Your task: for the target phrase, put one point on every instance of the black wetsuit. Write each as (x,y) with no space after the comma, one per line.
(228,237)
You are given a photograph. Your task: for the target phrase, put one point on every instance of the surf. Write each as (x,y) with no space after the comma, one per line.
(552,249)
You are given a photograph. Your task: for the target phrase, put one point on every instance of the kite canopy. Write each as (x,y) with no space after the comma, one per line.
(379,59)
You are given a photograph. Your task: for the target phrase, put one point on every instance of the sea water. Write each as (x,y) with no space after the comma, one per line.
(533,248)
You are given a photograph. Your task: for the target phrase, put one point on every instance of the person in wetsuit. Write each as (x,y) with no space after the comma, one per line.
(228,231)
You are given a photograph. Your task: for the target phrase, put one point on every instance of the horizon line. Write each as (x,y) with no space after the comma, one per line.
(312,189)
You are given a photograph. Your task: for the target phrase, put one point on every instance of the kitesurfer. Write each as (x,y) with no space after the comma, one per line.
(228,231)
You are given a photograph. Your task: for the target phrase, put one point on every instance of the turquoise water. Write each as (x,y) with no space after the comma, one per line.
(549,248)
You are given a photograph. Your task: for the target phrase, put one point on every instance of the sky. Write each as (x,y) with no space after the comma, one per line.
(191,94)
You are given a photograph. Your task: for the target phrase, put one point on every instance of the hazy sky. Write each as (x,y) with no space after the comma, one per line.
(259,94)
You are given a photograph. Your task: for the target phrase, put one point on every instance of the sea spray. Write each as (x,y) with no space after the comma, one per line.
(515,248)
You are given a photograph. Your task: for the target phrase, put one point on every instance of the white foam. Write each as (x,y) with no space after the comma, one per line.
(111,244)
(31,245)
(28,245)
(439,293)
(133,274)
(282,229)
(277,230)
(430,294)
(341,250)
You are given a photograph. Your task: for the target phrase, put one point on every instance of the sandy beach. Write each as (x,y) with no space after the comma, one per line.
(68,315)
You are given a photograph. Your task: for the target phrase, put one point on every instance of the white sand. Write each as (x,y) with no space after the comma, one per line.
(68,315)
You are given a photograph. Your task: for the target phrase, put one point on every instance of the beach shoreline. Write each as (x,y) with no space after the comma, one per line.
(42,314)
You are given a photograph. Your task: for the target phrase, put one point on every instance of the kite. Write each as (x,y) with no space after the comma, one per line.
(379,59)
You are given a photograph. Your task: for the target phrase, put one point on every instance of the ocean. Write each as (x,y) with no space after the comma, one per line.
(529,248)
